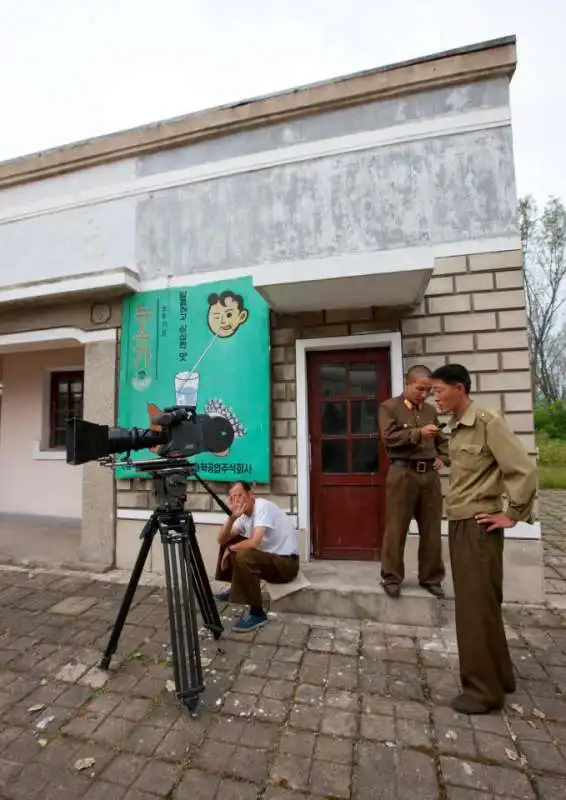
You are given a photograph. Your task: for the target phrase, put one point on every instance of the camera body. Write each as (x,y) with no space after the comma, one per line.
(177,432)
(190,433)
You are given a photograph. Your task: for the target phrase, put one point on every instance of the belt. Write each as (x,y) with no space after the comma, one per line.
(418,466)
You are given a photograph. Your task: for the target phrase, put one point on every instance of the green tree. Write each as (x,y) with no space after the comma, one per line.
(543,237)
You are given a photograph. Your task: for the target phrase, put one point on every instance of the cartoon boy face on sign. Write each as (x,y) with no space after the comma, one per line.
(226,313)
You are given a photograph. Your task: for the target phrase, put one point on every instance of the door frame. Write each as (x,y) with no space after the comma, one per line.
(390,339)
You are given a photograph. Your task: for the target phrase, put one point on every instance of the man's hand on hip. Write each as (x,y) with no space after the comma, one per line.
(494,521)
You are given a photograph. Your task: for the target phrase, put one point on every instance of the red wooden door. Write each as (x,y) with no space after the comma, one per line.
(347,460)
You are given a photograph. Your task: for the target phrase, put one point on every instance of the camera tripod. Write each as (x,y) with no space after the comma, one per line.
(186,580)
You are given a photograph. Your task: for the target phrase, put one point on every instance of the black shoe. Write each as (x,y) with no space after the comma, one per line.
(510,688)
(392,590)
(465,704)
(434,589)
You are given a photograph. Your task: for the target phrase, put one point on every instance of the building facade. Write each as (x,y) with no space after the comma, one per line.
(373,215)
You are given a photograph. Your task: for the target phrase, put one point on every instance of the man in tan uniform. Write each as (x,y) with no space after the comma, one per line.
(487,459)
(417,450)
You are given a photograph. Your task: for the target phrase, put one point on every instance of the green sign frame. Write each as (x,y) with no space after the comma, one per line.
(206,345)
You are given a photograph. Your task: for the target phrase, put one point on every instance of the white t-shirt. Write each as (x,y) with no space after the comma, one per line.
(280,537)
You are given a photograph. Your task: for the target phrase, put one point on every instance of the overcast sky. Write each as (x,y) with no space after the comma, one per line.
(72,69)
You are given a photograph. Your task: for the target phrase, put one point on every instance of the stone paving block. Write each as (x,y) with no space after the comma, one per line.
(544,757)
(339,751)
(73,606)
(236,790)
(298,743)
(106,791)
(551,788)
(416,775)
(213,756)
(486,778)
(291,772)
(378,728)
(330,780)
(457,741)
(278,793)
(113,731)
(305,717)
(157,778)
(144,740)
(339,723)
(374,763)
(458,793)
(249,764)
(124,769)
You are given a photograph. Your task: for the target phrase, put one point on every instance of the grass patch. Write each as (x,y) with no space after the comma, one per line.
(552,462)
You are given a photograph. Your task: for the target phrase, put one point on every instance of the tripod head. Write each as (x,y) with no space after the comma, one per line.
(169,477)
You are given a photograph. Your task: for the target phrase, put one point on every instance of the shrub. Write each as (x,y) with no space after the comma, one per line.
(551,419)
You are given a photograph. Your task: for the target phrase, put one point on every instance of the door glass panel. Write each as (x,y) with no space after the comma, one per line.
(364,416)
(365,455)
(332,380)
(362,379)
(334,455)
(333,419)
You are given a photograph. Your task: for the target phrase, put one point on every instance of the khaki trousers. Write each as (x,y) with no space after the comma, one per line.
(411,494)
(247,568)
(486,670)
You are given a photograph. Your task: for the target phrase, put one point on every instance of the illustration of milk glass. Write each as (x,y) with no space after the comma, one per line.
(186,388)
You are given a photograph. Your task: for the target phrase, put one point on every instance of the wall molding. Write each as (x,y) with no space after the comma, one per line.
(405,258)
(26,340)
(480,61)
(200,517)
(449,125)
(123,280)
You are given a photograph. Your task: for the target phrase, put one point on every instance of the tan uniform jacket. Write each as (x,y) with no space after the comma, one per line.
(400,431)
(488,461)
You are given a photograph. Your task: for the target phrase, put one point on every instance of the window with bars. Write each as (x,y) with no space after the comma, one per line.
(66,400)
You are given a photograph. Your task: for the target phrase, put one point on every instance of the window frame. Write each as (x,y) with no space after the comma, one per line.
(69,376)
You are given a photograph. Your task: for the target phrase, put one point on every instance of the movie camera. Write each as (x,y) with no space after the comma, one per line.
(176,435)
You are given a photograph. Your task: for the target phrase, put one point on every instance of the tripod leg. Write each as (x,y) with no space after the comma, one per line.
(208,608)
(182,619)
(146,535)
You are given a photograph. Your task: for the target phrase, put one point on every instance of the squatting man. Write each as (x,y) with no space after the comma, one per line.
(257,542)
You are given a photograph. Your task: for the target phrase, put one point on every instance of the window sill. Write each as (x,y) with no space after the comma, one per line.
(47,455)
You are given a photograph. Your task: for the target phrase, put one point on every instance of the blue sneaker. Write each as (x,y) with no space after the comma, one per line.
(223,597)
(250,622)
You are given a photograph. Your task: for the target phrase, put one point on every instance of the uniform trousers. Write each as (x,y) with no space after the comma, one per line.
(410,494)
(486,670)
(247,568)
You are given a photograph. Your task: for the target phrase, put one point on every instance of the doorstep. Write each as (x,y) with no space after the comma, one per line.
(352,589)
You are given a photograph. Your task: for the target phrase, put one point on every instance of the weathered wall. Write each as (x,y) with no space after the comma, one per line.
(474,314)
(411,190)
(28,485)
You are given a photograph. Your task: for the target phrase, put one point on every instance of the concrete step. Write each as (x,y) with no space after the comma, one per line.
(352,589)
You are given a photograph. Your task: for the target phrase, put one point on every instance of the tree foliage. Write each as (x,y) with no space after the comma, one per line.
(543,237)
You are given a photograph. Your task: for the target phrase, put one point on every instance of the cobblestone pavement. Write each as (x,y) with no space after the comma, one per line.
(303,709)
(553,519)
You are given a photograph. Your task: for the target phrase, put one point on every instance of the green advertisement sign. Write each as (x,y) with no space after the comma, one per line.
(205,345)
